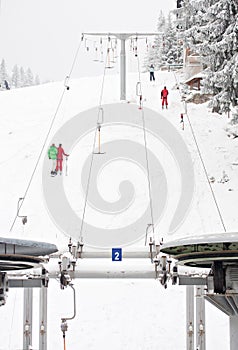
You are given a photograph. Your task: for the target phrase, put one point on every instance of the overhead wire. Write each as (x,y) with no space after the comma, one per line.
(146,149)
(47,135)
(203,165)
(93,145)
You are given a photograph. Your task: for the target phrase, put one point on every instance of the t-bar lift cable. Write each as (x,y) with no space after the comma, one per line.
(48,133)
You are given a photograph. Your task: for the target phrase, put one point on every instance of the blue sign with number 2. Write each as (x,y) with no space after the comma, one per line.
(116,254)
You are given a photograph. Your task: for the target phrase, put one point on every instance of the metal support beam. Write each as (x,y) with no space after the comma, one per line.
(123,69)
(233,332)
(200,319)
(27,319)
(143,254)
(191,281)
(190,317)
(107,274)
(25,283)
(43,319)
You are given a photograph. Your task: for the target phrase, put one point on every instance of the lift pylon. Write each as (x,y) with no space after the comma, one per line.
(123,37)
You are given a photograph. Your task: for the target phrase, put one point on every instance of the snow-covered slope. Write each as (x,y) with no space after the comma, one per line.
(111,314)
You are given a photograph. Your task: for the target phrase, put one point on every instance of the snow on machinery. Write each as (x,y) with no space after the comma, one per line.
(19,254)
(215,253)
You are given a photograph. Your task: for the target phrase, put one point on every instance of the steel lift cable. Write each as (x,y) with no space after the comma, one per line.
(48,133)
(203,164)
(94,145)
(139,91)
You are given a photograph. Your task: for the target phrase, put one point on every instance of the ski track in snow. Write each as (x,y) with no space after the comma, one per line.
(120,314)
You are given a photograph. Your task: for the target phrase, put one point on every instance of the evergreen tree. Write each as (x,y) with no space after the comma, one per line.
(18,78)
(29,79)
(159,40)
(172,46)
(213,33)
(15,77)
(22,77)
(37,80)
(3,73)
(154,55)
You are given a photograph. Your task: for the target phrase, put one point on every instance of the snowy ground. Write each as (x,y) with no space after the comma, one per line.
(122,314)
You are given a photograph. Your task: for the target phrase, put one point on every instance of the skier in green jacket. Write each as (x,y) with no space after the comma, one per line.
(52,154)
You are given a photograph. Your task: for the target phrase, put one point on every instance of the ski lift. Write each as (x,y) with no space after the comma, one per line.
(108,59)
(139,93)
(101,57)
(108,54)
(99,125)
(64,325)
(146,42)
(136,54)
(96,55)
(147,231)
(24,217)
(101,51)
(86,45)
(131,44)
(115,48)
(66,82)
(113,55)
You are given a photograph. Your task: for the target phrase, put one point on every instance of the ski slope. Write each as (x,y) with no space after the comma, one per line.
(119,314)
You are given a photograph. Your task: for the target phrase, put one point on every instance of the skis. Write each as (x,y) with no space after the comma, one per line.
(55,173)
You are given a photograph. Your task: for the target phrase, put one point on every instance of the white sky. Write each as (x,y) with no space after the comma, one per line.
(44,34)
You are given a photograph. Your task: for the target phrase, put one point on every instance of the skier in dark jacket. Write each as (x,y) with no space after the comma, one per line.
(60,155)
(164,95)
(6,85)
(152,72)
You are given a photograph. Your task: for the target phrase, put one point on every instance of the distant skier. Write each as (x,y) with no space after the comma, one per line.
(6,85)
(60,155)
(182,121)
(164,97)
(52,154)
(152,72)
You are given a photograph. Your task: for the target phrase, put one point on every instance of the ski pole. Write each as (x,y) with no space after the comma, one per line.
(66,167)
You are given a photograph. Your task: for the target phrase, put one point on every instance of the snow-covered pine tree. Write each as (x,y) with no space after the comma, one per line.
(214,34)
(29,79)
(22,77)
(172,46)
(15,77)
(3,73)
(159,40)
(154,55)
(37,80)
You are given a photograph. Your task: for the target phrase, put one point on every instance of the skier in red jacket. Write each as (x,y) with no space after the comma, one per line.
(164,95)
(60,154)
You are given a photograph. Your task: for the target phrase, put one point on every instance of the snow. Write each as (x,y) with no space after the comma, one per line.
(118,314)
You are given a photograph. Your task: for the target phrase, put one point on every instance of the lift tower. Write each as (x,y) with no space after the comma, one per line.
(123,37)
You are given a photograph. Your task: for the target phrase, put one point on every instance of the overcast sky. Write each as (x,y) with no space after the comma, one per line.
(44,34)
